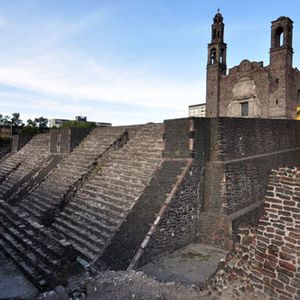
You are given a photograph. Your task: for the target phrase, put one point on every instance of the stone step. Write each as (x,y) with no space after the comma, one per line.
(29,257)
(39,201)
(109,217)
(32,210)
(145,165)
(103,200)
(100,221)
(30,244)
(51,190)
(106,191)
(6,186)
(76,241)
(133,154)
(34,275)
(118,185)
(132,181)
(124,174)
(87,232)
(38,233)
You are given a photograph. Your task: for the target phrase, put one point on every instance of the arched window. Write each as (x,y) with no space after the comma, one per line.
(278,37)
(213,56)
(214,34)
(222,56)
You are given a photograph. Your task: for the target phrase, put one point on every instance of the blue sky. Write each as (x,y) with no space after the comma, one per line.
(123,61)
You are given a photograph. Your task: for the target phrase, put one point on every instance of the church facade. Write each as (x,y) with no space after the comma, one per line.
(252,89)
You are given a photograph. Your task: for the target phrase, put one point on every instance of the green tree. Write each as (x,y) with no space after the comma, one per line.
(5,120)
(41,122)
(31,123)
(78,124)
(15,120)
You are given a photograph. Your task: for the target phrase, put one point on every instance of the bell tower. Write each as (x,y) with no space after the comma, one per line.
(281,102)
(216,66)
(281,51)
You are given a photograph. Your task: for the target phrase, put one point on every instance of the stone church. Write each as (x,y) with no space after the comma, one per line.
(252,89)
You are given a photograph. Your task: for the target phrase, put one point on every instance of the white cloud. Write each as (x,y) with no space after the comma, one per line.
(43,63)
(73,77)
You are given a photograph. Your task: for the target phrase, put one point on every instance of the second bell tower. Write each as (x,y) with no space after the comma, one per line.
(216,66)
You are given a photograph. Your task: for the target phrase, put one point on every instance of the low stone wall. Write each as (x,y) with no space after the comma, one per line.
(267,258)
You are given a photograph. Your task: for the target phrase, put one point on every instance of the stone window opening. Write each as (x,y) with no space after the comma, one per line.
(221,56)
(279,37)
(245,109)
(214,34)
(276,101)
(298,97)
(213,56)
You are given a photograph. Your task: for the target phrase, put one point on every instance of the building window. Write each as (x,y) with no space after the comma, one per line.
(213,56)
(245,109)
(194,112)
(279,37)
(298,97)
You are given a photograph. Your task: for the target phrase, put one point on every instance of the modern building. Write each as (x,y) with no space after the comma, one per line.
(252,89)
(59,122)
(197,110)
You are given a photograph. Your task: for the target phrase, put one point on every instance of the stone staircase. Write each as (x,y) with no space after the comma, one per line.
(42,255)
(21,163)
(50,196)
(135,229)
(4,152)
(92,217)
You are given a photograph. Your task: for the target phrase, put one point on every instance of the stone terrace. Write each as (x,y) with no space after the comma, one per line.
(21,163)
(99,207)
(50,196)
(44,258)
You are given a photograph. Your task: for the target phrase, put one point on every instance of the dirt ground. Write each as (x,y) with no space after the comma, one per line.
(177,276)
(190,265)
(13,284)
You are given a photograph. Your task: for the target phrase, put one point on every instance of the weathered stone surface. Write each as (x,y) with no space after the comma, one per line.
(277,264)
(266,91)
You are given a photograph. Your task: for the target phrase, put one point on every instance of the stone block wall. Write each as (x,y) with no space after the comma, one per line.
(18,141)
(64,140)
(277,251)
(178,224)
(177,138)
(232,159)
(242,137)
(131,234)
(267,258)
(242,154)
(77,135)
